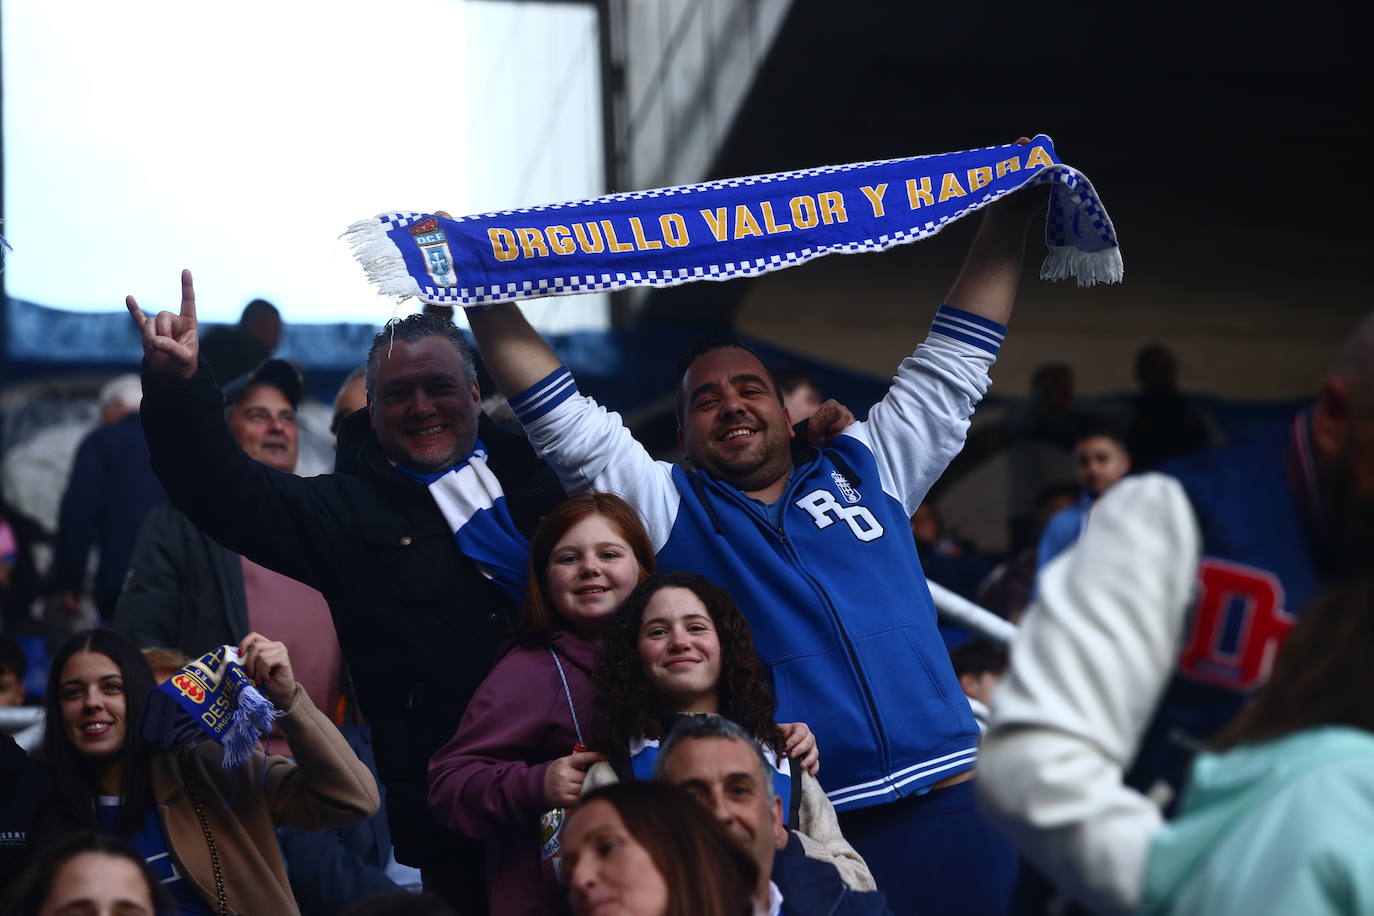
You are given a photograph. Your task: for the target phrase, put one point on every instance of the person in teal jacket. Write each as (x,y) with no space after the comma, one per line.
(1279,818)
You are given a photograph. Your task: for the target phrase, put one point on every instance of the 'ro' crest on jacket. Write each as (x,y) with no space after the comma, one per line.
(825,510)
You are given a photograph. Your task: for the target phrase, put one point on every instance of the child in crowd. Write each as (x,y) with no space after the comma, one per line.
(522,747)
(13,666)
(678,647)
(979,665)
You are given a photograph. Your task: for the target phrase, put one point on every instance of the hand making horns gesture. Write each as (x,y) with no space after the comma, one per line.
(171,345)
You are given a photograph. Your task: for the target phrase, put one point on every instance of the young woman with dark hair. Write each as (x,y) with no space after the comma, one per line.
(101,753)
(1279,817)
(88,872)
(679,646)
(630,693)
(520,753)
(208,832)
(650,849)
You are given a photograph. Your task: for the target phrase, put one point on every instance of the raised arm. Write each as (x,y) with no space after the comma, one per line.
(1094,655)
(171,342)
(986,286)
(588,447)
(920,425)
(327,785)
(275,519)
(512,350)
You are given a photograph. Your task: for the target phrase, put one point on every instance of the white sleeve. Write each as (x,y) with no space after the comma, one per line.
(1094,655)
(590,449)
(920,424)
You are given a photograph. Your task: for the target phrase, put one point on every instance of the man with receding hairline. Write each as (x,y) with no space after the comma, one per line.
(720,765)
(815,549)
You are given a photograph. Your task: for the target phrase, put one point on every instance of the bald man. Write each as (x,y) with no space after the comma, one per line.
(1153,630)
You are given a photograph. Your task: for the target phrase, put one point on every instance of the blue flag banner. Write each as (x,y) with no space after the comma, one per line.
(212,696)
(720,230)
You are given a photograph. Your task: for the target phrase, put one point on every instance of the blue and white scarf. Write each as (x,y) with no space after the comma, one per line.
(719,230)
(212,696)
(474,505)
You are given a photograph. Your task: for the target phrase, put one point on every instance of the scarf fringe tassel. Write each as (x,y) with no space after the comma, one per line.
(1089,267)
(385,267)
(252,721)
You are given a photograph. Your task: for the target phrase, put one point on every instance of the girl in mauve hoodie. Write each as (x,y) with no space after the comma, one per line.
(520,753)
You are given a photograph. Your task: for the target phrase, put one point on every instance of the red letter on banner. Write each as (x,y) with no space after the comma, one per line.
(1255,595)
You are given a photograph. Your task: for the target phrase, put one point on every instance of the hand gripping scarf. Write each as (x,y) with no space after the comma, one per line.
(214,696)
(720,230)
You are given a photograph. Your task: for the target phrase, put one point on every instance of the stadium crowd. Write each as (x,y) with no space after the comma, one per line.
(543,672)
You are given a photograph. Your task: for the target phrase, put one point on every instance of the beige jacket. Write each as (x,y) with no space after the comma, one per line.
(326,786)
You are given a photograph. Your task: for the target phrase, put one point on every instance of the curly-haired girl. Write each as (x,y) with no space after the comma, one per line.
(679,646)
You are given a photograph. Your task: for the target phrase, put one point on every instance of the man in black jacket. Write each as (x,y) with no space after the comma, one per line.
(418,621)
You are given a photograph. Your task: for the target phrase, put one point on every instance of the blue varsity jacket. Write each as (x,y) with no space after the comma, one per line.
(835,595)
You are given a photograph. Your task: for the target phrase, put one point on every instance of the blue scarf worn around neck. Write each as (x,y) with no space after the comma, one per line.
(474,505)
(720,230)
(214,696)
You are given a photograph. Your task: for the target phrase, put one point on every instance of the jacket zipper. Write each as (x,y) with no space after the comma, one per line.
(875,723)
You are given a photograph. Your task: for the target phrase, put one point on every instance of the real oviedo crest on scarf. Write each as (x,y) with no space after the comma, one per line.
(720,230)
(211,696)
(433,246)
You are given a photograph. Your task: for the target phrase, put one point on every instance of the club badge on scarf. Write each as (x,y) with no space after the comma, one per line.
(214,696)
(720,230)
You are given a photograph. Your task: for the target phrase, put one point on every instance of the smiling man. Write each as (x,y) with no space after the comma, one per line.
(719,765)
(814,546)
(418,615)
(261,410)
(423,401)
(186,592)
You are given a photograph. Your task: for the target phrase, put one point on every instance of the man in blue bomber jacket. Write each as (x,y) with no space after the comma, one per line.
(819,556)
